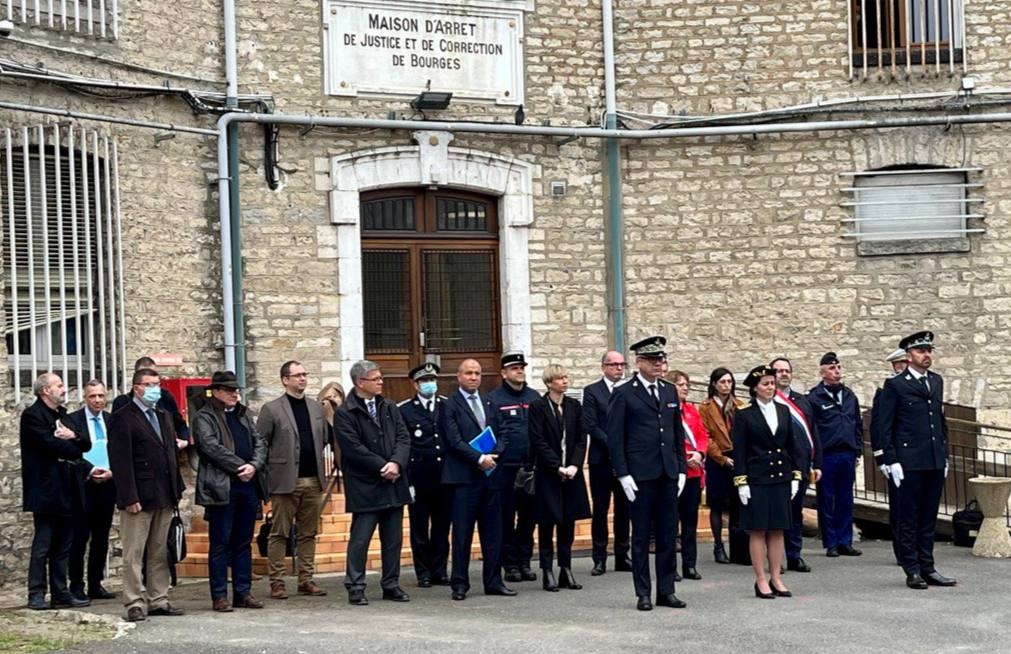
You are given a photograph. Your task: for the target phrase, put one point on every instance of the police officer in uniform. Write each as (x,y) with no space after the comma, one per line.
(914,432)
(646,443)
(898,360)
(429,513)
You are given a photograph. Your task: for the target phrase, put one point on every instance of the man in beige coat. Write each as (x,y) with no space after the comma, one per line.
(296,432)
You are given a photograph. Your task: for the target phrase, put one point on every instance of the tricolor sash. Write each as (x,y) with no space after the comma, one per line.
(689,435)
(797,416)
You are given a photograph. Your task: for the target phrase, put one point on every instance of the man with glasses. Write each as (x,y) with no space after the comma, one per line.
(296,432)
(646,443)
(603,485)
(143,460)
(375,451)
(810,465)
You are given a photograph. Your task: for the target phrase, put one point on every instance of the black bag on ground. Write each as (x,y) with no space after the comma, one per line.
(965,524)
(176,539)
(263,537)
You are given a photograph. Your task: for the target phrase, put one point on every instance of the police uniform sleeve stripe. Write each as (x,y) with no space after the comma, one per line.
(741,480)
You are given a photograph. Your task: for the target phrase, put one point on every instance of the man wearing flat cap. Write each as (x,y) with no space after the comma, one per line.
(899,361)
(429,514)
(914,435)
(646,443)
(836,413)
(510,402)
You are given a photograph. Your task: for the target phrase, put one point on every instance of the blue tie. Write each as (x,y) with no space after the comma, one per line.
(372,409)
(99,429)
(153,419)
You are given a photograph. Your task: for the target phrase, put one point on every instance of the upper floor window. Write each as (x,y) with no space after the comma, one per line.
(98,18)
(903,36)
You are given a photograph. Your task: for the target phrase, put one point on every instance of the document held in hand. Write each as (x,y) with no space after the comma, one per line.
(484,443)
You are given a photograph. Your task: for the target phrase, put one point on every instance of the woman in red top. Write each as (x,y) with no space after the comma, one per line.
(696,444)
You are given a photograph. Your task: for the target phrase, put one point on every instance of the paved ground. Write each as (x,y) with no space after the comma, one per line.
(845,605)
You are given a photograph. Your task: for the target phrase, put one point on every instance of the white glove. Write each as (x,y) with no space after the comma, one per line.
(794,488)
(897,475)
(683,478)
(884,470)
(628,485)
(745,494)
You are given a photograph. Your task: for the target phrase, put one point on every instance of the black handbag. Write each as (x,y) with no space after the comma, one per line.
(525,481)
(176,539)
(965,524)
(263,537)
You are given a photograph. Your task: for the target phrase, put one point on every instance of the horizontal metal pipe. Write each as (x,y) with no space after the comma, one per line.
(67,113)
(125,86)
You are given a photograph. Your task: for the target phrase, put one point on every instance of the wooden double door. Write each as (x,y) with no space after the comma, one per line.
(430,284)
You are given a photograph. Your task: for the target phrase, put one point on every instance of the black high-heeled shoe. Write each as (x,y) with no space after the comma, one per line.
(780,593)
(762,595)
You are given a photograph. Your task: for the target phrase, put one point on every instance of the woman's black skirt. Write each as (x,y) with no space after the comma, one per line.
(719,482)
(769,508)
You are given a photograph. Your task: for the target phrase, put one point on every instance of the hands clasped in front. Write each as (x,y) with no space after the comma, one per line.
(390,471)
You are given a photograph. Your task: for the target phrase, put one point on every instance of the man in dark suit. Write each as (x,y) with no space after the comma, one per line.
(429,513)
(603,484)
(50,453)
(915,435)
(375,450)
(475,487)
(646,442)
(143,459)
(92,525)
(899,361)
(166,402)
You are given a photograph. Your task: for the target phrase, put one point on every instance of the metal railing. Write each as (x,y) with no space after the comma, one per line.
(99,18)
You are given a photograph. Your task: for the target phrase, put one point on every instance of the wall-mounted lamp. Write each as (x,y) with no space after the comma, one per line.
(431,100)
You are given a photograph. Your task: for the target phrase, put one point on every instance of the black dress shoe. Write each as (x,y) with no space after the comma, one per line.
(167,609)
(527,574)
(357,598)
(100,593)
(832,552)
(937,579)
(504,591)
(849,550)
(623,564)
(643,603)
(459,595)
(513,576)
(759,594)
(720,554)
(548,582)
(798,565)
(396,594)
(424,583)
(37,603)
(598,569)
(691,573)
(71,602)
(670,600)
(916,582)
(567,580)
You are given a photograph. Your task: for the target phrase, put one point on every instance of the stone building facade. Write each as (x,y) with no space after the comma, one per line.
(734,245)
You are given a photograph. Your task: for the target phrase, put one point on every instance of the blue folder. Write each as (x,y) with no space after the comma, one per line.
(484,443)
(98,456)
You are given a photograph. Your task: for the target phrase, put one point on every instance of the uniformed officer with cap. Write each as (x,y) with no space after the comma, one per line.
(429,513)
(898,360)
(646,442)
(914,435)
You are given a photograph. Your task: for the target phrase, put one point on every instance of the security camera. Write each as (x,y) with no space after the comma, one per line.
(6,27)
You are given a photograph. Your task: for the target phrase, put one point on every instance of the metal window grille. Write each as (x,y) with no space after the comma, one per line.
(62,282)
(98,18)
(458,287)
(916,203)
(386,282)
(900,36)
(456,215)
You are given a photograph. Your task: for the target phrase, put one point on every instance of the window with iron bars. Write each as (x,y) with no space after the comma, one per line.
(62,274)
(901,37)
(97,18)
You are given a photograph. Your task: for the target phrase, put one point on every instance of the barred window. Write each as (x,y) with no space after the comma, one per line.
(98,18)
(899,36)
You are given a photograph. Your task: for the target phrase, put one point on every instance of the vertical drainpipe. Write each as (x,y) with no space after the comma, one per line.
(232,102)
(615,226)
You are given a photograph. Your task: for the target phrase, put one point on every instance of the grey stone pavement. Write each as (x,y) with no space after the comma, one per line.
(845,605)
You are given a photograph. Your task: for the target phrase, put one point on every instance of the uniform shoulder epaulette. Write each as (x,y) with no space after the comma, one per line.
(442,397)
(403,402)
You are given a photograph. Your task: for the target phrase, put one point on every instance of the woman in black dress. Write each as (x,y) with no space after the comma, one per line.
(766,445)
(558,445)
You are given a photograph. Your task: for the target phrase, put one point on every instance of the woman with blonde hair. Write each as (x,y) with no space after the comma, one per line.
(332,397)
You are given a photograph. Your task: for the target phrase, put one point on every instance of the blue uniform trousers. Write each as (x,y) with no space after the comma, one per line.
(919,497)
(835,498)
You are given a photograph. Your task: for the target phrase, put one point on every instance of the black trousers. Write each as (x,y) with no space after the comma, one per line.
(517,521)
(688,512)
(429,518)
(477,502)
(795,534)
(47,565)
(919,497)
(604,485)
(545,551)
(654,511)
(391,539)
(91,535)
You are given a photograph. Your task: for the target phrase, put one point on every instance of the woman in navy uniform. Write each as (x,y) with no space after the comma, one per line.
(558,449)
(766,446)
(429,513)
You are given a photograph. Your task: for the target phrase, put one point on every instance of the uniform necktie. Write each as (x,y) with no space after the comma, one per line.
(475,406)
(923,382)
(153,419)
(372,409)
(652,392)
(99,429)
(428,405)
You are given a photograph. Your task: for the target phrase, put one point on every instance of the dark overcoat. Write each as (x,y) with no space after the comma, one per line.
(49,478)
(366,446)
(558,501)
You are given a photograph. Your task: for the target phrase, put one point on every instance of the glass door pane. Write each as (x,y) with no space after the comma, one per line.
(386,289)
(458,291)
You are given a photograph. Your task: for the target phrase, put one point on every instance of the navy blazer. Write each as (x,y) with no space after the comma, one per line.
(761,457)
(646,439)
(912,425)
(460,426)
(596,397)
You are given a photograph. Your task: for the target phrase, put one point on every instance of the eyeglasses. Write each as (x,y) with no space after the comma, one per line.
(621,364)
(374,380)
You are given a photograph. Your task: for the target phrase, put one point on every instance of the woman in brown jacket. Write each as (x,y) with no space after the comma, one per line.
(717,413)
